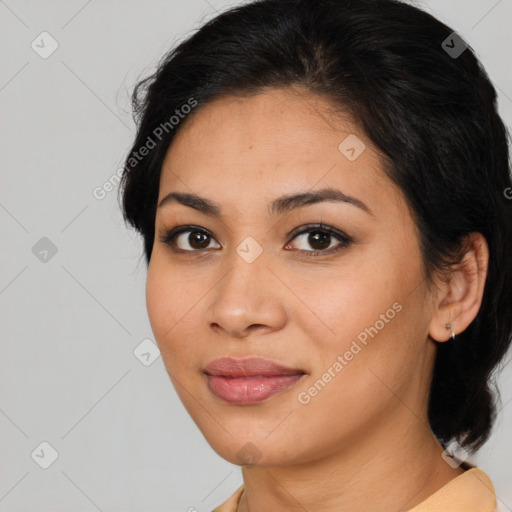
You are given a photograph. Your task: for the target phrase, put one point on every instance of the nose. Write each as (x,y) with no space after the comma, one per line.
(248,298)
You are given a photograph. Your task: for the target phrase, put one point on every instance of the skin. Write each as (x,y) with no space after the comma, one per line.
(367,429)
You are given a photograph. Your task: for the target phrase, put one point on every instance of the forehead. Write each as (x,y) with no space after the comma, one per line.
(281,138)
(277,124)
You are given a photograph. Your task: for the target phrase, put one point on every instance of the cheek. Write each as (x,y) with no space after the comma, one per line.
(355,384)
(374,319)
(159,290)
(170,303)
(340,306)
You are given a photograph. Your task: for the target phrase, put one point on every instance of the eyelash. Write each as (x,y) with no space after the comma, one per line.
(167,237)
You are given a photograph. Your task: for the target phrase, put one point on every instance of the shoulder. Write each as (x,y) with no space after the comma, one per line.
(472,491)
(231,504)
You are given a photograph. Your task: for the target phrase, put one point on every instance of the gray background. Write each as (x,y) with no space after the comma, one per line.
(71,320)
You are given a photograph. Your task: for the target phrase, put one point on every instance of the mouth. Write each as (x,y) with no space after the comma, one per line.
(249,381)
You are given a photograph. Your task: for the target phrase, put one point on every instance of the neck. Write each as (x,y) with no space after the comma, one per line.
(395,468)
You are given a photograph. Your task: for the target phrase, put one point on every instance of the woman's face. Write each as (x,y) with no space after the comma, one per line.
(351,319)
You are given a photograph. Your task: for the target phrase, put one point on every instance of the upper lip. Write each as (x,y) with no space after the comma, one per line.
(254,366)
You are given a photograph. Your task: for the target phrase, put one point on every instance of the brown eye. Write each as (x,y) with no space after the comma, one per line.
(319,240)
(189,239)
(316,241)
(198,240)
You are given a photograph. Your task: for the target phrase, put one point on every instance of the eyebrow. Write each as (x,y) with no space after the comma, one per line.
(278,206)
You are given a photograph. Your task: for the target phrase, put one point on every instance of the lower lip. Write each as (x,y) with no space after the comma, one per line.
(250,390)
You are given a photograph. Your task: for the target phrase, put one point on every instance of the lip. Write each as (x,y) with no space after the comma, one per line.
(250,367)
(249,381)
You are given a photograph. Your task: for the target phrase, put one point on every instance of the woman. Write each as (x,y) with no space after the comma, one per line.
(322,192)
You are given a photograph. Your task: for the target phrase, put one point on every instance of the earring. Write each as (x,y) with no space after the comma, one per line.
(448,326)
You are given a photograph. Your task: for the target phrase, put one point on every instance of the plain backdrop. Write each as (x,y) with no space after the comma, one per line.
(115,435)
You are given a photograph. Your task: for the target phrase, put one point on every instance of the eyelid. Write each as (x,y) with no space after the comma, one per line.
(319,226)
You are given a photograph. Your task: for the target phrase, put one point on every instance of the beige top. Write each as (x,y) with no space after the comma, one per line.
(470,492)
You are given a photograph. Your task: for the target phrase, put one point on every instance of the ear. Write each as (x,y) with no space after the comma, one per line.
(460,296)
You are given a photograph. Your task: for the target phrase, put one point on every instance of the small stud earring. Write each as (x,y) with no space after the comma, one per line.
(448,326)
